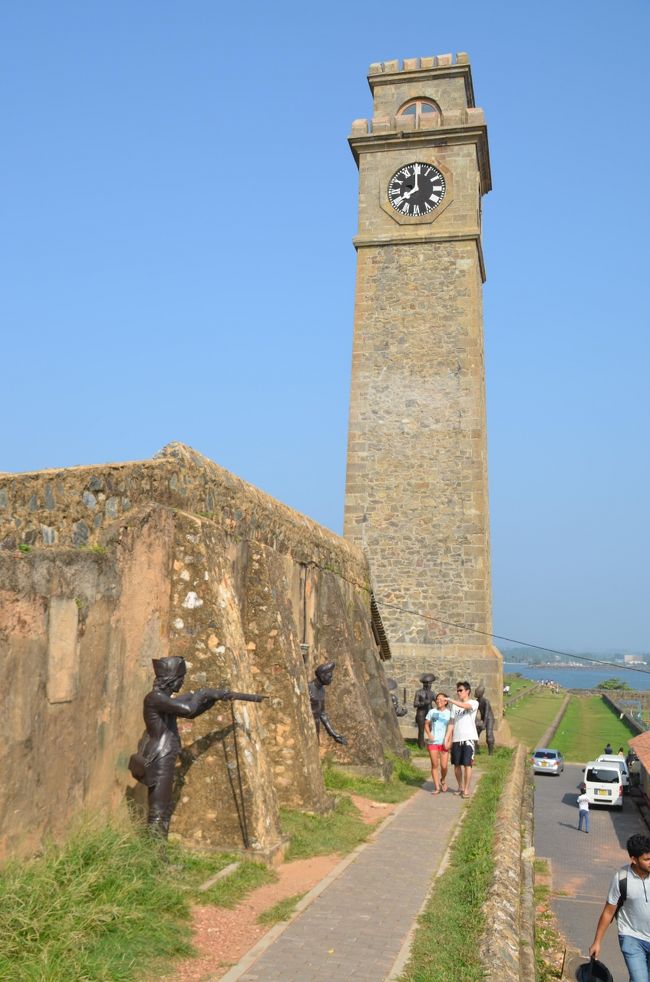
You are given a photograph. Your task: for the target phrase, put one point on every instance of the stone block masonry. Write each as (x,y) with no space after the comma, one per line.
(176,556)
(416,492)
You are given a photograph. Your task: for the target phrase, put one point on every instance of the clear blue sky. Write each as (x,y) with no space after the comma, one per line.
(178,204)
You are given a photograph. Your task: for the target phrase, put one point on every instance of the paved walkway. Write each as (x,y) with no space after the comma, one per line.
(356,928)
(582,865)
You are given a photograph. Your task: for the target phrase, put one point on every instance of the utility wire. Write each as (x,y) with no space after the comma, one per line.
(500,637)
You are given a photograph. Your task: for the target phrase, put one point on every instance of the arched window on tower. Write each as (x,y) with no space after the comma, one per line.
(418,108)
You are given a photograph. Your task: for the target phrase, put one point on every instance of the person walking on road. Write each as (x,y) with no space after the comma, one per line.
(583,810)
(435,734)
(462,731)
(628,901)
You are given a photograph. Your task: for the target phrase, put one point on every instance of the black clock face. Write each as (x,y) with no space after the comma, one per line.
(416,189)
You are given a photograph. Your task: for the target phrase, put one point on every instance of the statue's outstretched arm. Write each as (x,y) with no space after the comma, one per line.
(324,718)
(189,705)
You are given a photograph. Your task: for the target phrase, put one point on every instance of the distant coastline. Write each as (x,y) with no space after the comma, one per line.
(582,676)
(592,667)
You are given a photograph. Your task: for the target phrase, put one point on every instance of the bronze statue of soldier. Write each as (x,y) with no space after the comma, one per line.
(153,765)
(422,703)
(323,676)
(392,690)
(486,721)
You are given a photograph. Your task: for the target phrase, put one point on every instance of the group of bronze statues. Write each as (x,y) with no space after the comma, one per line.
(425,698)
(155,760)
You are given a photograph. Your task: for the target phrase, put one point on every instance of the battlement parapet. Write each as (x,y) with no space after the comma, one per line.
(417,64)
(78,506)
(381,124)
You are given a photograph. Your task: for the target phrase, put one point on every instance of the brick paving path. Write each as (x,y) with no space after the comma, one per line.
(356,928)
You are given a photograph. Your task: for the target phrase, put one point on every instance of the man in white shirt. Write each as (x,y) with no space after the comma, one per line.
(463,736)
(628,901)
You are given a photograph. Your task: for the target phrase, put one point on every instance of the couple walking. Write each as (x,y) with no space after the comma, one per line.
(453,728)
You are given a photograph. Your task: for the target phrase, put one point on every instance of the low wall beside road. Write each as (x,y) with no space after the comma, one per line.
(507,948)
(636,726)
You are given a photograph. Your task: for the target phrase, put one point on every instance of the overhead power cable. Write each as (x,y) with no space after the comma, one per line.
(501,637)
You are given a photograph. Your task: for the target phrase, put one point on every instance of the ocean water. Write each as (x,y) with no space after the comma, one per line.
(581,678)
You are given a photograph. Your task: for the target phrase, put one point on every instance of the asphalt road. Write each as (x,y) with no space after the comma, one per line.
(582,865)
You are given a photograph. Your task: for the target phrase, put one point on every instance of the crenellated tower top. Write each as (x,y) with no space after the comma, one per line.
(442,78)
(423,102)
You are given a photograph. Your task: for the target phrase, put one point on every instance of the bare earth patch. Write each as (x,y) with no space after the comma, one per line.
(372,811)
(222,936)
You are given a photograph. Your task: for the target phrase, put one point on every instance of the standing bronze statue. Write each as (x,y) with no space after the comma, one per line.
(487,718)
(422,703)
(392,689)
(323,677)
(155,760)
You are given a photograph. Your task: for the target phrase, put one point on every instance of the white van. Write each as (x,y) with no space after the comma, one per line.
(622,766)
(603,784)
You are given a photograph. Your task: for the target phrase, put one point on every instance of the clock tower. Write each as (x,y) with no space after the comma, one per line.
(416,492)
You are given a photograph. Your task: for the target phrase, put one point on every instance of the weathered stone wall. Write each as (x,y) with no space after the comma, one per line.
(77,634)
(235,583)
(416,482)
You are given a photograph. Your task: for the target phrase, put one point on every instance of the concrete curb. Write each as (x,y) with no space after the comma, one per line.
(251,956)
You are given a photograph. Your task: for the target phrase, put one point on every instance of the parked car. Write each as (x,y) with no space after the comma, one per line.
(547,761)
(622,766)
(603,784)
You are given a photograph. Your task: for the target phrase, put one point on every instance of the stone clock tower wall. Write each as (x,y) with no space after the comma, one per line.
(416,496)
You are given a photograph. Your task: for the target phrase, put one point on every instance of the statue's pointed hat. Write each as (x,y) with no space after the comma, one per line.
(323,669)
(169,668)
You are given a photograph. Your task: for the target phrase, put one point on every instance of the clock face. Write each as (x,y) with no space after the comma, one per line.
(416,189)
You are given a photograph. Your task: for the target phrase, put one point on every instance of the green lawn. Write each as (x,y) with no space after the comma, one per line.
(587,726)
(530,717)
(517,684)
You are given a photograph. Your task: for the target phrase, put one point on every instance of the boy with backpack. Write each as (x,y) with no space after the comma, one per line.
(628,901)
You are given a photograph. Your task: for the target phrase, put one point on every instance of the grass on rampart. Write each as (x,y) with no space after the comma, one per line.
(404,780)
(586,727)
(445,945)
(113,905)
(517,684)
(532,715)
(234,887)
(342,829)
(281,911)
(108,905)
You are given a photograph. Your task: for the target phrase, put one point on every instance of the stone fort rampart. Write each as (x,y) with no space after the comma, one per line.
(103,568)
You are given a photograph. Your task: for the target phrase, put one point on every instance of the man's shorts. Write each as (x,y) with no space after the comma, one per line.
(462,754)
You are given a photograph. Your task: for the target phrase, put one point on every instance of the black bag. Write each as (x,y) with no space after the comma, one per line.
(138,766)
(594,971)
